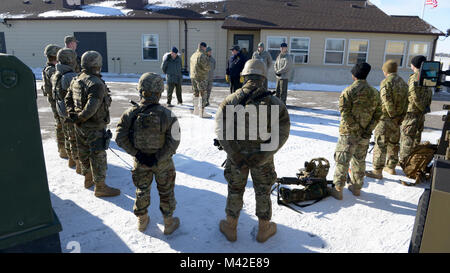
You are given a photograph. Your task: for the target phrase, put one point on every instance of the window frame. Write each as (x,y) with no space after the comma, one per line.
(343,51)
(418,42)
(157,47)
(348,50)
(278,48)
(293,53)
(404,51)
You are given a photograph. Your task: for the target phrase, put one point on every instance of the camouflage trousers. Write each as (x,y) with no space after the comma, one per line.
(70,139)
(282,89)
(387,138)
(164,173)
(411,133)
(350,150)
(92,158)
(263,179)
(199,88)
(58,124)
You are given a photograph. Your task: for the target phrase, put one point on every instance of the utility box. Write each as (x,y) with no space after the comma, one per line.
(28,222)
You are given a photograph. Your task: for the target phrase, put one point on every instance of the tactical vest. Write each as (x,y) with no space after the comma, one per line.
(59,94)
(149,129)
(47,73)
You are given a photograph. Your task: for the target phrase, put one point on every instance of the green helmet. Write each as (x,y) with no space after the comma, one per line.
(51,50)
(254,67)
(67,56)
(150,82)
(91,59)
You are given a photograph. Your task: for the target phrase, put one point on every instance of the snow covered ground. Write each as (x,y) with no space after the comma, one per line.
(380,220)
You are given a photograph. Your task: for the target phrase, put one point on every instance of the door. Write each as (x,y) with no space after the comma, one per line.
(93,41)
(245,42)
(2,43)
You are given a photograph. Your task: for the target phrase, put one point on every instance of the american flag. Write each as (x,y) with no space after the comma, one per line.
(433,3)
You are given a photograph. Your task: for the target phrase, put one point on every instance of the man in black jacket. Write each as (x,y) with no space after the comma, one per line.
(234,68)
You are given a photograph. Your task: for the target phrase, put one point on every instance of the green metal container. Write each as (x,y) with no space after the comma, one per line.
(26,213)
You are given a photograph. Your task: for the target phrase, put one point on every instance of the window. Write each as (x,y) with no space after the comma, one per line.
(300,49)
(395,50)
(273,45)
(417,48)
(2,43)
(358,51)
(334,51)
(150,44)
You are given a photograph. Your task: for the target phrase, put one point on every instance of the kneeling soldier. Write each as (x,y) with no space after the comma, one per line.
(249,154)
(150,133)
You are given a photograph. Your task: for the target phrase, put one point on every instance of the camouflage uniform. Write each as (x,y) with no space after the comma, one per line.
(360,108)
(47,88)
(245,156)
(200,68)
(265,57)
(164,170)
(61,82)
(393,93)
(89,97)
(282,68)
(419,101)
(212,63)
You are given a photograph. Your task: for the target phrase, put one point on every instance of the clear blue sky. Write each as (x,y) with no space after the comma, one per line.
(438,17)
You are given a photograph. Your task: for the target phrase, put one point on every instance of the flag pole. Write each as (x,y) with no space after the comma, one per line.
(423,9)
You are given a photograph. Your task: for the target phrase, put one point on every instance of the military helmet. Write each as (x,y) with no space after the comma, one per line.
(151,82)
(255,67)
(67,56)
(51,50)
(91,59)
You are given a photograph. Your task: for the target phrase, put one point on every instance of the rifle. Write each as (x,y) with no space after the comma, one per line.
(220,148)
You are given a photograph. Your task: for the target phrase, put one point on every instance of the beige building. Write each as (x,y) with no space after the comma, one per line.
(325,37)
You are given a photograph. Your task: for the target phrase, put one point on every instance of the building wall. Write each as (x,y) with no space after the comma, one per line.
(315,71)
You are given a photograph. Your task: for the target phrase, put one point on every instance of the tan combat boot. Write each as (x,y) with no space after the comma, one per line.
(171,224)
(266,229)
(195,101)
(103,190)
(71,163)
(203,114)
(143,221)
(375,173)
(389,170)
(229,228)
(63,153)
(78,166)
(356,192)
(88,181)
(336,192)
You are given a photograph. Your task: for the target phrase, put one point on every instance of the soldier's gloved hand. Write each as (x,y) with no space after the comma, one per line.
(72,118)
(427,110)
(278,74)
(366,135)
(227,78)
(148,160)
(241,79)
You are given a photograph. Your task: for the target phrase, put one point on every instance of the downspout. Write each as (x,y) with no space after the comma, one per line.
(185,48)
(433,53)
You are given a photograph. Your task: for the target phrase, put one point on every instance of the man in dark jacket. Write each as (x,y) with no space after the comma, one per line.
(234,68)
(171,66)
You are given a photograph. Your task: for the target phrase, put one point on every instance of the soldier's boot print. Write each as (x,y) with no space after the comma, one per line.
(266,229)
(375,173)
(78,166)
(88,181)
(71,163)
(170,224)
(143,221)
(336,192)
(355,191)
(195,101)
(229,228)
(389,170)
(62,153)
(103,190)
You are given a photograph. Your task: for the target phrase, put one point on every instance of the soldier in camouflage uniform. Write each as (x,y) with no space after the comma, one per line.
(72,43)
(87,103)
(264,56)
(199,76)
(248,156)
(360,108)
(212,63)
(394,101)
(152,147)
(51,51)
(419,101)
(65,72)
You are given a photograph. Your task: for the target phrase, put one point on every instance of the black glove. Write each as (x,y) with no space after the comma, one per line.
(278,74)
(366,135)
(427,109)
(72,118)
(146,159)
